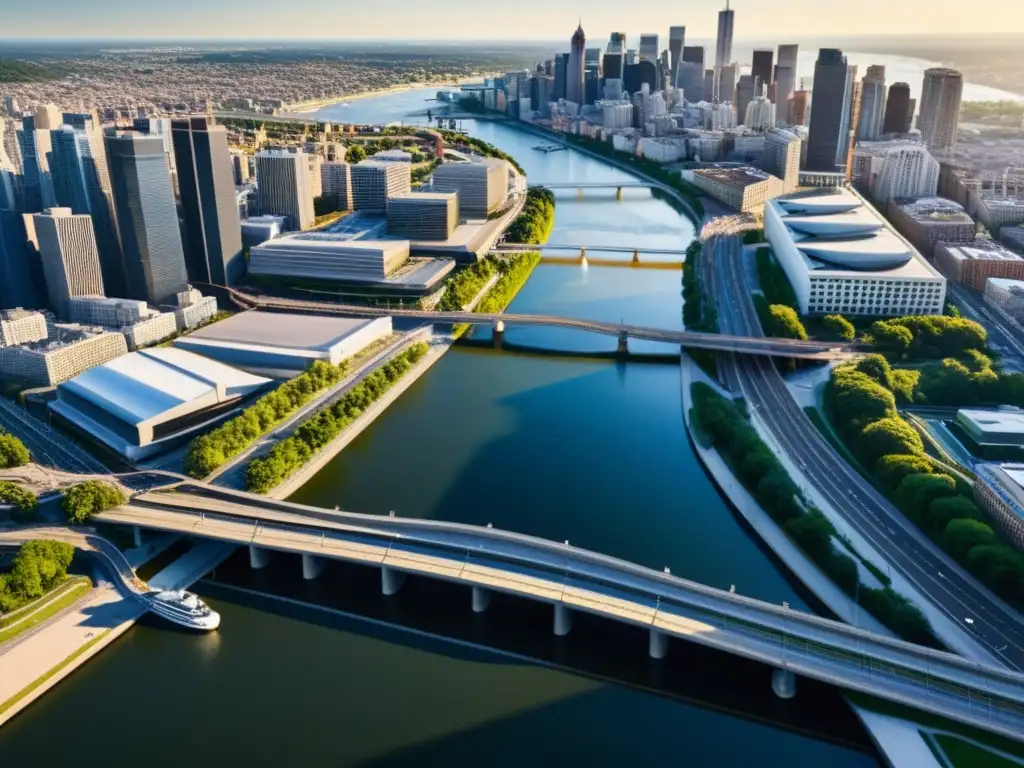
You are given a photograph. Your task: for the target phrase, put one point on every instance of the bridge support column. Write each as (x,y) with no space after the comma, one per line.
(136,536)
(498,333)
(579,192)
(563,619)
(623,346)
(636,255)
(312,566)
(784,683)
(618,193)
(481,599)
(583,254)
(258,557)
(658,644)
(391,580)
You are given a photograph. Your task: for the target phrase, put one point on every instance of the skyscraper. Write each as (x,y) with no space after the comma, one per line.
(17,286)
(617,43)
(82,183)
(798,107)
(154,261)
(282,187)
(762,67)
(649,48)
(35,148)
(745,92)
(212,232)
(940,108)
(574,70)
(676,43)
(723,49)
(827,141)
(727,77)
(898,109)
(785,79)
(691,73)
(561,76)
(48,117)
(781,157)
(709,84)
(71,262)
(872,108)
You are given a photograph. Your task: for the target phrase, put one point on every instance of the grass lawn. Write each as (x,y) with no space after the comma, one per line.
(67,594)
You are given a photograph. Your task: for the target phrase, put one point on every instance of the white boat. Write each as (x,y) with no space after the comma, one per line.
(184,609)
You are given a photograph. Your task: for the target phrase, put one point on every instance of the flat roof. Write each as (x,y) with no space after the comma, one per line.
(435,196)
(1006,283)
(994,421)
(287,331)
(333,243)
(734,177)
(932,210)
(979,250)
(1007,480)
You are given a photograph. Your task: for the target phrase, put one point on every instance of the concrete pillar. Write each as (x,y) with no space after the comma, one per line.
(618,193)
(136,536)
(563,619)
(636,255)
(623,346)
(258,557)
(390,580)
(498,333)
(658,645)
(481,599)
(784,683)
(579,192)
(312,566)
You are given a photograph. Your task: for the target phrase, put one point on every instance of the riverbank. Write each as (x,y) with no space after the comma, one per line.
(305,107)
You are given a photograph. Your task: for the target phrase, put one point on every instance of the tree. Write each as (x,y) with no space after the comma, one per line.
(944,510)
(878,368)
(907,493)
(1001,568)
(889,436)
(891,338)
(963,535)
(82,501)
(13,452)
(785,323)
(839,328)
(354,153)
(813,533)
(25,501)
(891,470)
(856,400)
(776,494)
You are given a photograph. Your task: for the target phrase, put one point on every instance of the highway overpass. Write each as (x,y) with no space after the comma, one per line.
(570,579)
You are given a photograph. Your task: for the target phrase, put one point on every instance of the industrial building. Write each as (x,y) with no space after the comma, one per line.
(328,257)
(277,341)
(927,221)
(482,185)
(374,182)
(999,491)
(423,215)
(972,263)
(745,189)
(145,402)
(66,352)
(841,256)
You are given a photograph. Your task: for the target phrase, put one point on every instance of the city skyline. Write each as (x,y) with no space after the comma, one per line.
(194,19)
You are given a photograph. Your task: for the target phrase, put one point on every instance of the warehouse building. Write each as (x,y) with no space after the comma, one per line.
(930,220)
(841,256)
(423,215)
(972,263)
(328,257)
(482,186)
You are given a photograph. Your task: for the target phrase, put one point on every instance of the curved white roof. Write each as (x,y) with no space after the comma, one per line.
(842,224)
(872,253)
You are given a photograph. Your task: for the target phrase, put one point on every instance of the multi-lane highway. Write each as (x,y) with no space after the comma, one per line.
(996,627)
(47,445)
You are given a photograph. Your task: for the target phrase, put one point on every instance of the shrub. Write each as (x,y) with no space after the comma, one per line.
(465,284)
(13,452)
(891,338)
(878,368)
(856,400)
(961,536)
(785,323)
(891,470)
(889,436)
(839,328)
(82,501)
(26,502)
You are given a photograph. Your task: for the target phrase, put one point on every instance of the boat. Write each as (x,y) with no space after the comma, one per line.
(184,609)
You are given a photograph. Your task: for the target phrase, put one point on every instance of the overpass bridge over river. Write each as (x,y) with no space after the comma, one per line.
(487,560)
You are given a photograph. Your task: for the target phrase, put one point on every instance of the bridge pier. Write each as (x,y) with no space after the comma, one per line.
(618,193)
(579,192)
(498,334)
(623,346)
(636,255)
(657,646)
(784,683)
(136,536)
(563,619)
(481,599)
(312,566)
(258,557)
(390,580)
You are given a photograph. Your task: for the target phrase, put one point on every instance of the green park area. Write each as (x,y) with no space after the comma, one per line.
(533,226)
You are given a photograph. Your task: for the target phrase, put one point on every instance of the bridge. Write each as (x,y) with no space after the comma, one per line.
(618,186)
(771,347)
(581,256)
(487,560)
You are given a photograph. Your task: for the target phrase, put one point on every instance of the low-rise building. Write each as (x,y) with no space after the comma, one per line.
(141,324)
(745,189)
(191,308)
(972,263)
(423,215)
(992,427)
(929,220)
(66,352)
(21,326)
(999,491)
(1008,295)
(1012,237)
(328,257)
(841,256)
(822,179)
(259,229)
(482,186)
(392,156)
(996,211)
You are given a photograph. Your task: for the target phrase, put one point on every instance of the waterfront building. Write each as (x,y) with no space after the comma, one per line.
(899,110)
(617,115)
(781,158)
(575,66)
(282,184)
(895,169)
(940,108)
(972,263)
(745,189)
(423,215)
(212,232)
(71,262)
(21,326)
(1008,295)
(828,139)
(145,402)
(374,182)
(336,182)
(999,491)
(66,352)
(930,220)
(147,218)
(723,51)
(841,256)
(872,107)
(328,257)
(482,186)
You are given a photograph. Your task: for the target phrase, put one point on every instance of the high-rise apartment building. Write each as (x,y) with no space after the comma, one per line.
(940,108)
(336,180)
(282,187)
(71,261)
(575,67)
(723,49)
(147,218)
(676,43)
(828,140)
(763,66)
(785,79)
(213,235)
(895,169)
(899,109)
(374,182)
(781,158)
(872,107)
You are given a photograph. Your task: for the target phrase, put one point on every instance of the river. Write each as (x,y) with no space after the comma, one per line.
(589,451)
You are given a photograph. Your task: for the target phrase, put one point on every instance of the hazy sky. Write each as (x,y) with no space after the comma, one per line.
(491,20)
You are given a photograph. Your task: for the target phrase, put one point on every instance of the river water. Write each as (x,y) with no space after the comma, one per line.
(571,449)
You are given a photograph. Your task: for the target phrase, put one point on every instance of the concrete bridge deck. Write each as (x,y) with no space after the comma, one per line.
(572,579)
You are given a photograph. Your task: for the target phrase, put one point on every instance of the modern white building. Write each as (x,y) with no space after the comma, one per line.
(328,257)
(992,427)
(760,114)
(482,185)
(21,326)
(940,108)
(191,308)
(282,187)
(374,182)
(841,256)
(617,115)
(145,402)
(259,229)
(895,169)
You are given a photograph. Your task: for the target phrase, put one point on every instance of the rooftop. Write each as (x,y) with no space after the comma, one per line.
(738,178)
(929,210)
(1014,286)
(274,329)
(993,421)
(987,250)
(441,196)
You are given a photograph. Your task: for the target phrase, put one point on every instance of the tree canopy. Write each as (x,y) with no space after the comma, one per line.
(13,452)
(82,501)
(839,328)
